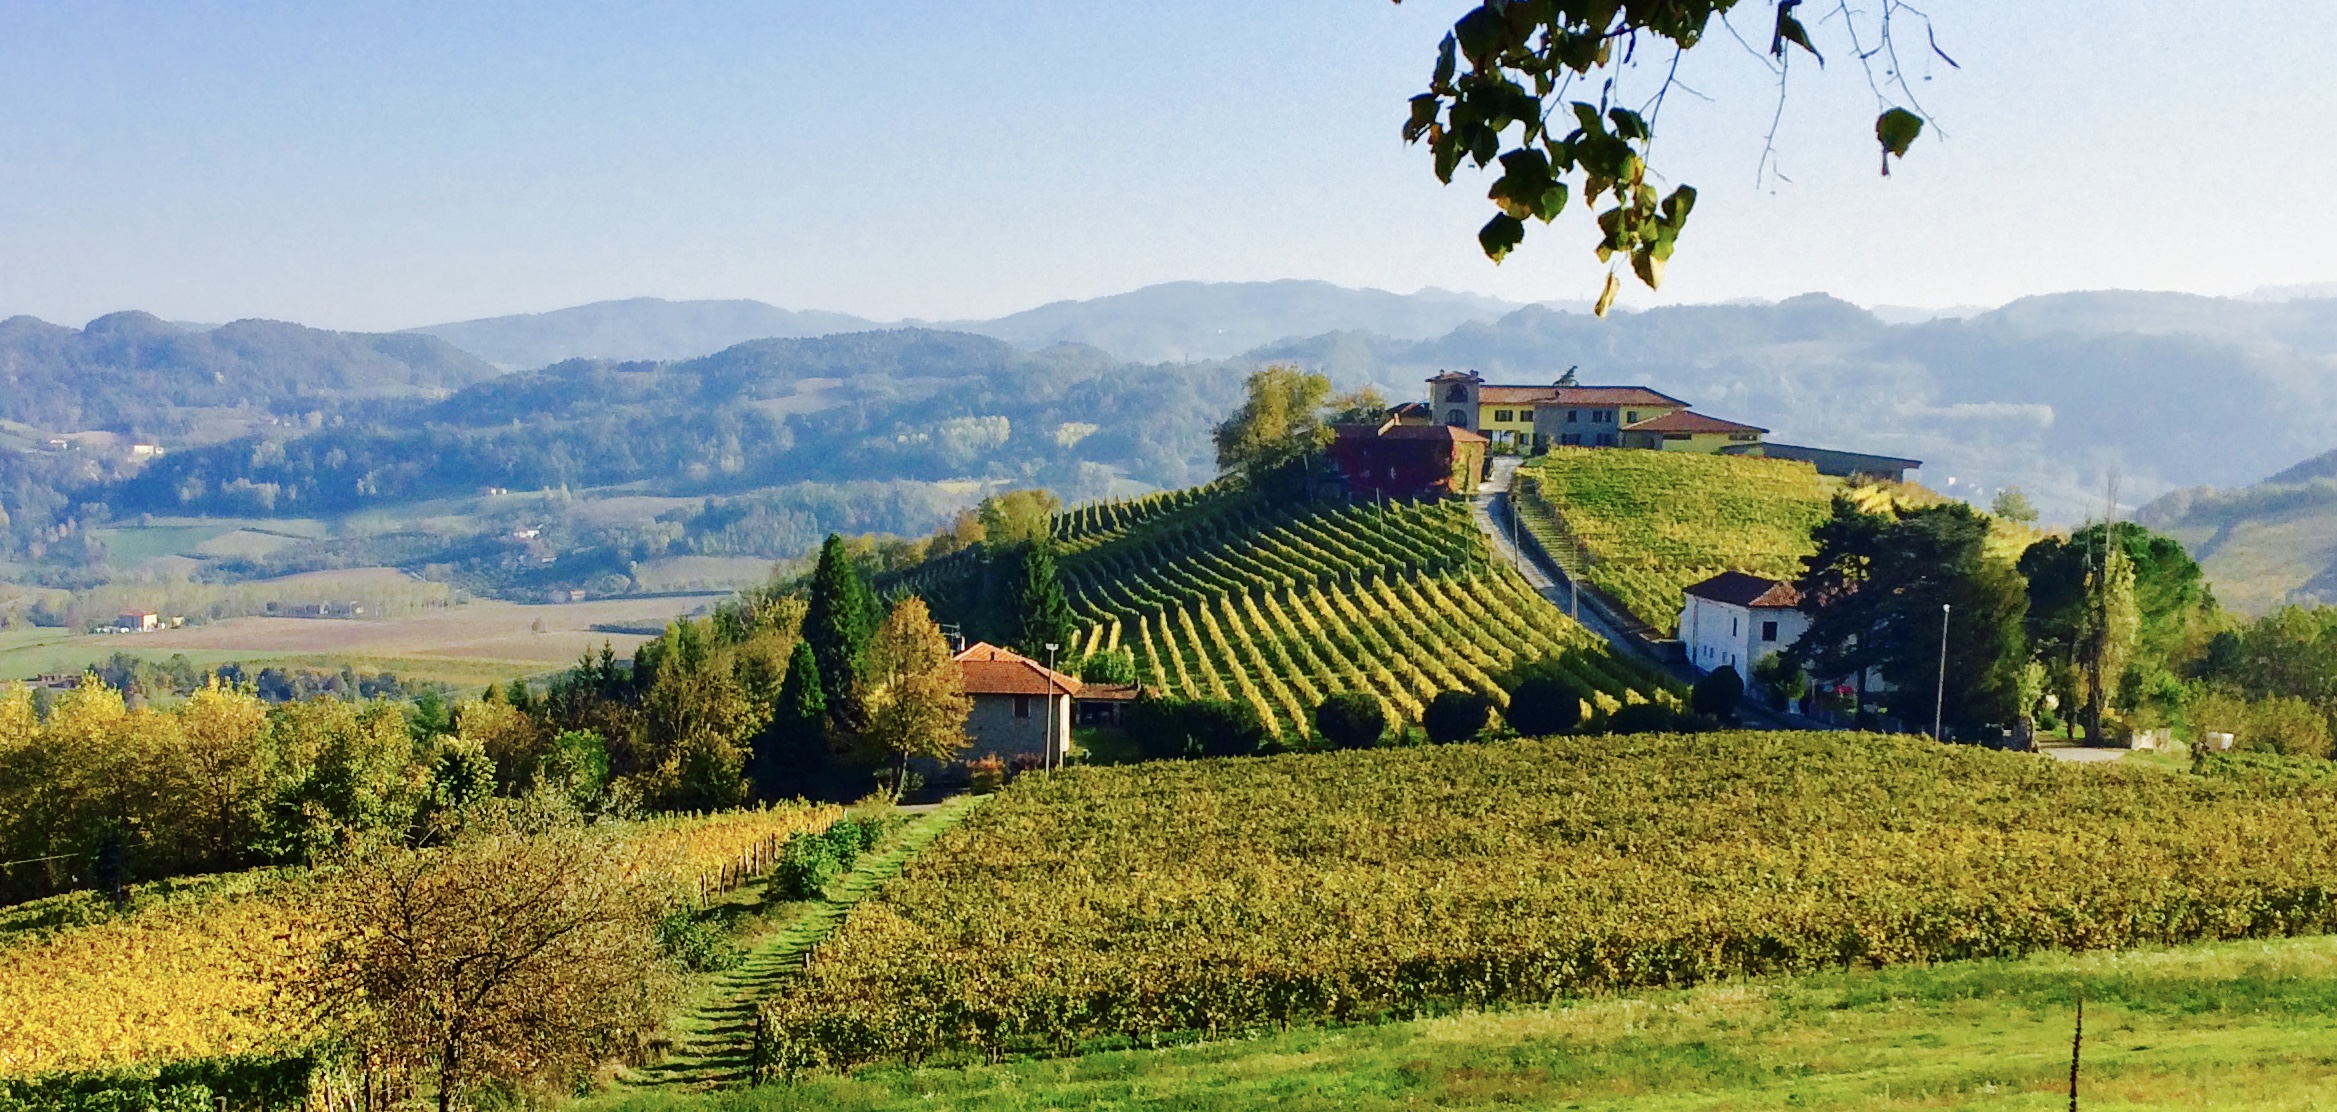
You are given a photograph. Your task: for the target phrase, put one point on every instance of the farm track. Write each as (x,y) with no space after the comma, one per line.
(714,1040)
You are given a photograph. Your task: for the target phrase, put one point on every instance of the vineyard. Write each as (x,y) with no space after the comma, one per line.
(1641,526)
(1164,900)
(198,978)
(1227,597)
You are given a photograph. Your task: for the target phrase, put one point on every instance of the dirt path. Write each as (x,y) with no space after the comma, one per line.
(714,1039)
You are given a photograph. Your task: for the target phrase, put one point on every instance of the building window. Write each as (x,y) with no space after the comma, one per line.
(1456,393)
(1573,416)
(1744,436)
(1457,418)
(1606,440)
(1631,418)
(1502,415)
(1022,706)
(1768,631)
(1732,626)
(1573,439)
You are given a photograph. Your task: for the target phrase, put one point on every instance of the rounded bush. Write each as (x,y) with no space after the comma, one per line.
(807,865)
(1351,720)
(1542,705)
(1455,716)
(1642,718)
(1718,694)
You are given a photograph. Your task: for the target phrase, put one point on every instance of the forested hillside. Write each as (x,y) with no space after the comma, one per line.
(2263,544)
(134,373)
(904,404)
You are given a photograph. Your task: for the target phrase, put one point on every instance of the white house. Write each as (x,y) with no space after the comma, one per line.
(1732,620)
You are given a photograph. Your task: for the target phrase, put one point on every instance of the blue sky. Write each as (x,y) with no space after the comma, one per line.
(389,165)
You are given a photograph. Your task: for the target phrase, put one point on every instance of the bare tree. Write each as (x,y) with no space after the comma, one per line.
(521,950)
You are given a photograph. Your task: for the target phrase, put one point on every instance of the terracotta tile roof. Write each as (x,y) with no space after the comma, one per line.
(1615,395)
(991,670)
(1738,589)
(1394,431)
(1595,396)
(1685,421)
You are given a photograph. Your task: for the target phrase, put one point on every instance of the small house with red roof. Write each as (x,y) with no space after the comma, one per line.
(1020,705)
(1688,431)
(1733,620)
(1397,460)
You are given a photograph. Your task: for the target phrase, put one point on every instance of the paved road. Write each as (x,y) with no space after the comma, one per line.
(2078,754)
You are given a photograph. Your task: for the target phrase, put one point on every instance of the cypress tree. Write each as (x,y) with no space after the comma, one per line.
(1041,613)
(793,748)
(842,615)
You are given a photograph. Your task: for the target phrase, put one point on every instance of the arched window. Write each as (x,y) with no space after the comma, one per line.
(1456,393)
(1456,417)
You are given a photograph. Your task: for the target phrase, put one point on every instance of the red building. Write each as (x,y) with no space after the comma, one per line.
(1396,460)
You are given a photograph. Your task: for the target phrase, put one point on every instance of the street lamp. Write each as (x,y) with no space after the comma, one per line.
(1048,760)
(1939,701)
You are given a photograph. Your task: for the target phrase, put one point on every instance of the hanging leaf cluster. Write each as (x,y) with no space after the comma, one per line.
(1522,59)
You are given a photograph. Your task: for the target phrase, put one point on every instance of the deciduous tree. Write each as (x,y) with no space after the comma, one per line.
(914,691)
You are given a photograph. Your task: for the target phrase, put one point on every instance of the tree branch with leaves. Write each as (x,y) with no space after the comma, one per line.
(1514,83)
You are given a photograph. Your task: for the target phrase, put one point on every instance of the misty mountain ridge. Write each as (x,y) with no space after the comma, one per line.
(1166,323)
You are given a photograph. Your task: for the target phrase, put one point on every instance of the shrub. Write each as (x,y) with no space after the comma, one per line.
(987,774)
(695,944)
(872,828)
(1112,666)
(2288,726)
(1165,729)
(1642,718)
(1718,694)
(256,1081)
(1351,720)
(1455,716)
(807,865)
(1544,703)
(843,838)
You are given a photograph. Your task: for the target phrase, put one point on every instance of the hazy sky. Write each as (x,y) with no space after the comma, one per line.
(389,165)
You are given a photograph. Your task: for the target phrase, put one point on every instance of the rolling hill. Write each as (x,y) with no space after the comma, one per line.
(2264,544)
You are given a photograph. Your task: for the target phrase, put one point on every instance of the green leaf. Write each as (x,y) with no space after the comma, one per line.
(1442,79)
(1551,202)
(1790,30)
(1896,129)
(1648,267)
(1500,235)
(1607,295)
(1424,109)
(1676,206)
(1588,116)
(1628,124)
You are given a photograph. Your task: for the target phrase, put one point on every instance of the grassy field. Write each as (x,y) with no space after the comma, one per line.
(2216,1026)
(480,641)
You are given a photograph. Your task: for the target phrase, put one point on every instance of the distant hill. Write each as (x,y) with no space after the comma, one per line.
(1171,322)
(636,328)
(2047,392)
(2264,544)
(909,404)
(1215,320)
(134,372)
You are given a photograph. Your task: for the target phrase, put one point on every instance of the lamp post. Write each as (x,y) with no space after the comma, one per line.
(1939,700)
(1049,703)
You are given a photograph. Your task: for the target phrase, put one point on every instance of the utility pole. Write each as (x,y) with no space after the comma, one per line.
(1049,761)
(1939,701)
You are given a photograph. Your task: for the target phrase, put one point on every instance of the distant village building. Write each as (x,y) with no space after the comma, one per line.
(1397,460)
(143,621)
(1020,706)
(1565,414)
(1734,620)
(145,451)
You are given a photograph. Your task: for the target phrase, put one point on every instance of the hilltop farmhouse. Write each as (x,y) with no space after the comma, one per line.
(1567,414)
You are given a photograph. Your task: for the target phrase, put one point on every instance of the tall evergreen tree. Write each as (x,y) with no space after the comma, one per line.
(1042,615)
(793,748)
(842,615)
(1875,593)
